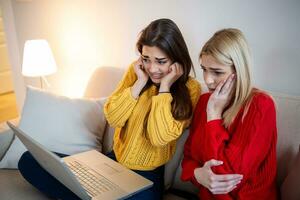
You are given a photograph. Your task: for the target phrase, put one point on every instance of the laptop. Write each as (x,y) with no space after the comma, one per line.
(90,175)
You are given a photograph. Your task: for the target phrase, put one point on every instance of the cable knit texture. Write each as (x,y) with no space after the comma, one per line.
(247,147)
(145,130)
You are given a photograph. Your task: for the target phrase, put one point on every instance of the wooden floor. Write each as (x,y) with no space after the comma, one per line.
(8,107)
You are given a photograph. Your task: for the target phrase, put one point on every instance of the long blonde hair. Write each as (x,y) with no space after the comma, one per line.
(229,47)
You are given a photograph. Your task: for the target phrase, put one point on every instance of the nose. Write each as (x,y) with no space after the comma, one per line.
(209,80)
(152,68)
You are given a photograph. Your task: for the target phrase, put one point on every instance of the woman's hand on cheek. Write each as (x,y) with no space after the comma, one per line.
(220,98)
(140,71)
(216,184)
(175,71)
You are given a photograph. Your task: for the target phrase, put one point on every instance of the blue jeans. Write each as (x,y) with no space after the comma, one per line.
(46,183)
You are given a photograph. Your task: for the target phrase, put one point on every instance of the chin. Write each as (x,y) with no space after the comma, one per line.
(157,81)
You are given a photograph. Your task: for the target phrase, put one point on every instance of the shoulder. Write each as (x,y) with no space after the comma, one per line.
(192,82)
(261,98)
(130,68)
(130,74)
(262,101)
(193,85)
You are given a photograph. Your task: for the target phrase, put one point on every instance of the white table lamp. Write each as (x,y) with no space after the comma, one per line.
(38,60)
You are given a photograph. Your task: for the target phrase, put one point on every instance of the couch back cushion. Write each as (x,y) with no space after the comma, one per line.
(59,123)
(103,82)
(288,126)
(290,187)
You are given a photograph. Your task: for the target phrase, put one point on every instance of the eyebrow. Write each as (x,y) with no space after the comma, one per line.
(212,68)
(159,59)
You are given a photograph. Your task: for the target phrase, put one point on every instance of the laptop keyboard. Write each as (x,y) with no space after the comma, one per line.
(92,182)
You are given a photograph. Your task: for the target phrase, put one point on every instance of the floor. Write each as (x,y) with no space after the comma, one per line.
(8,106)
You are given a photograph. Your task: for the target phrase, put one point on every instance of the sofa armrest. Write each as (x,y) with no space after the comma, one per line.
(6,137)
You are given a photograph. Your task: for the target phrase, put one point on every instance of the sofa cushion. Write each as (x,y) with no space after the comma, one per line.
(13,186)
(290,187)
(288,126)
(61,124)
(187,186)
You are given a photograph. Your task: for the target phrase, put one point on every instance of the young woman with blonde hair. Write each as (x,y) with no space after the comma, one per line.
(231,149)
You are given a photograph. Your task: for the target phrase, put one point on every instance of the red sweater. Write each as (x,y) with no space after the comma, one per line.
(247,147)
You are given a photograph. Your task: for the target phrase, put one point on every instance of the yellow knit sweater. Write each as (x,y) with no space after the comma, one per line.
(145,130)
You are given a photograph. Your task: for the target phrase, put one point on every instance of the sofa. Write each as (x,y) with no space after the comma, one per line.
(14,187)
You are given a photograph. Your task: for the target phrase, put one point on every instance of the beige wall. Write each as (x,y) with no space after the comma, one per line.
(85,34)
(82,34)
(13,50)
(5,69)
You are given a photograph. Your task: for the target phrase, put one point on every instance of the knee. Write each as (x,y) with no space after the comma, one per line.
(25,161)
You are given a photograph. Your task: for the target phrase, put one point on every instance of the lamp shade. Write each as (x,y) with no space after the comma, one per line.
(38,59)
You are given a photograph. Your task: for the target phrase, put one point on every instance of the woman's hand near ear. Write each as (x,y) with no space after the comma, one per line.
(220,98)
(139,70)
(142,78)
(175,71)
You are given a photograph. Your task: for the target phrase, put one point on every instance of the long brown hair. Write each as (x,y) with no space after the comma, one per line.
(164,34)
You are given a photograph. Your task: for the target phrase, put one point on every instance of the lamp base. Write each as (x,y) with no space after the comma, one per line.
(43,79)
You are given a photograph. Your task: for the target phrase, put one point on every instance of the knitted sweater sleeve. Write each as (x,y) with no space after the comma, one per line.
(162,127)
(120,104)
(247,147)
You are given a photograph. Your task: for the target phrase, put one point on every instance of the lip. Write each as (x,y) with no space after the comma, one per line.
(156,76)
(211,90)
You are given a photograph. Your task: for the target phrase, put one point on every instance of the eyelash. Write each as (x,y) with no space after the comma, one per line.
(145,60)
(218,73)
(214,72)
(159,62)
